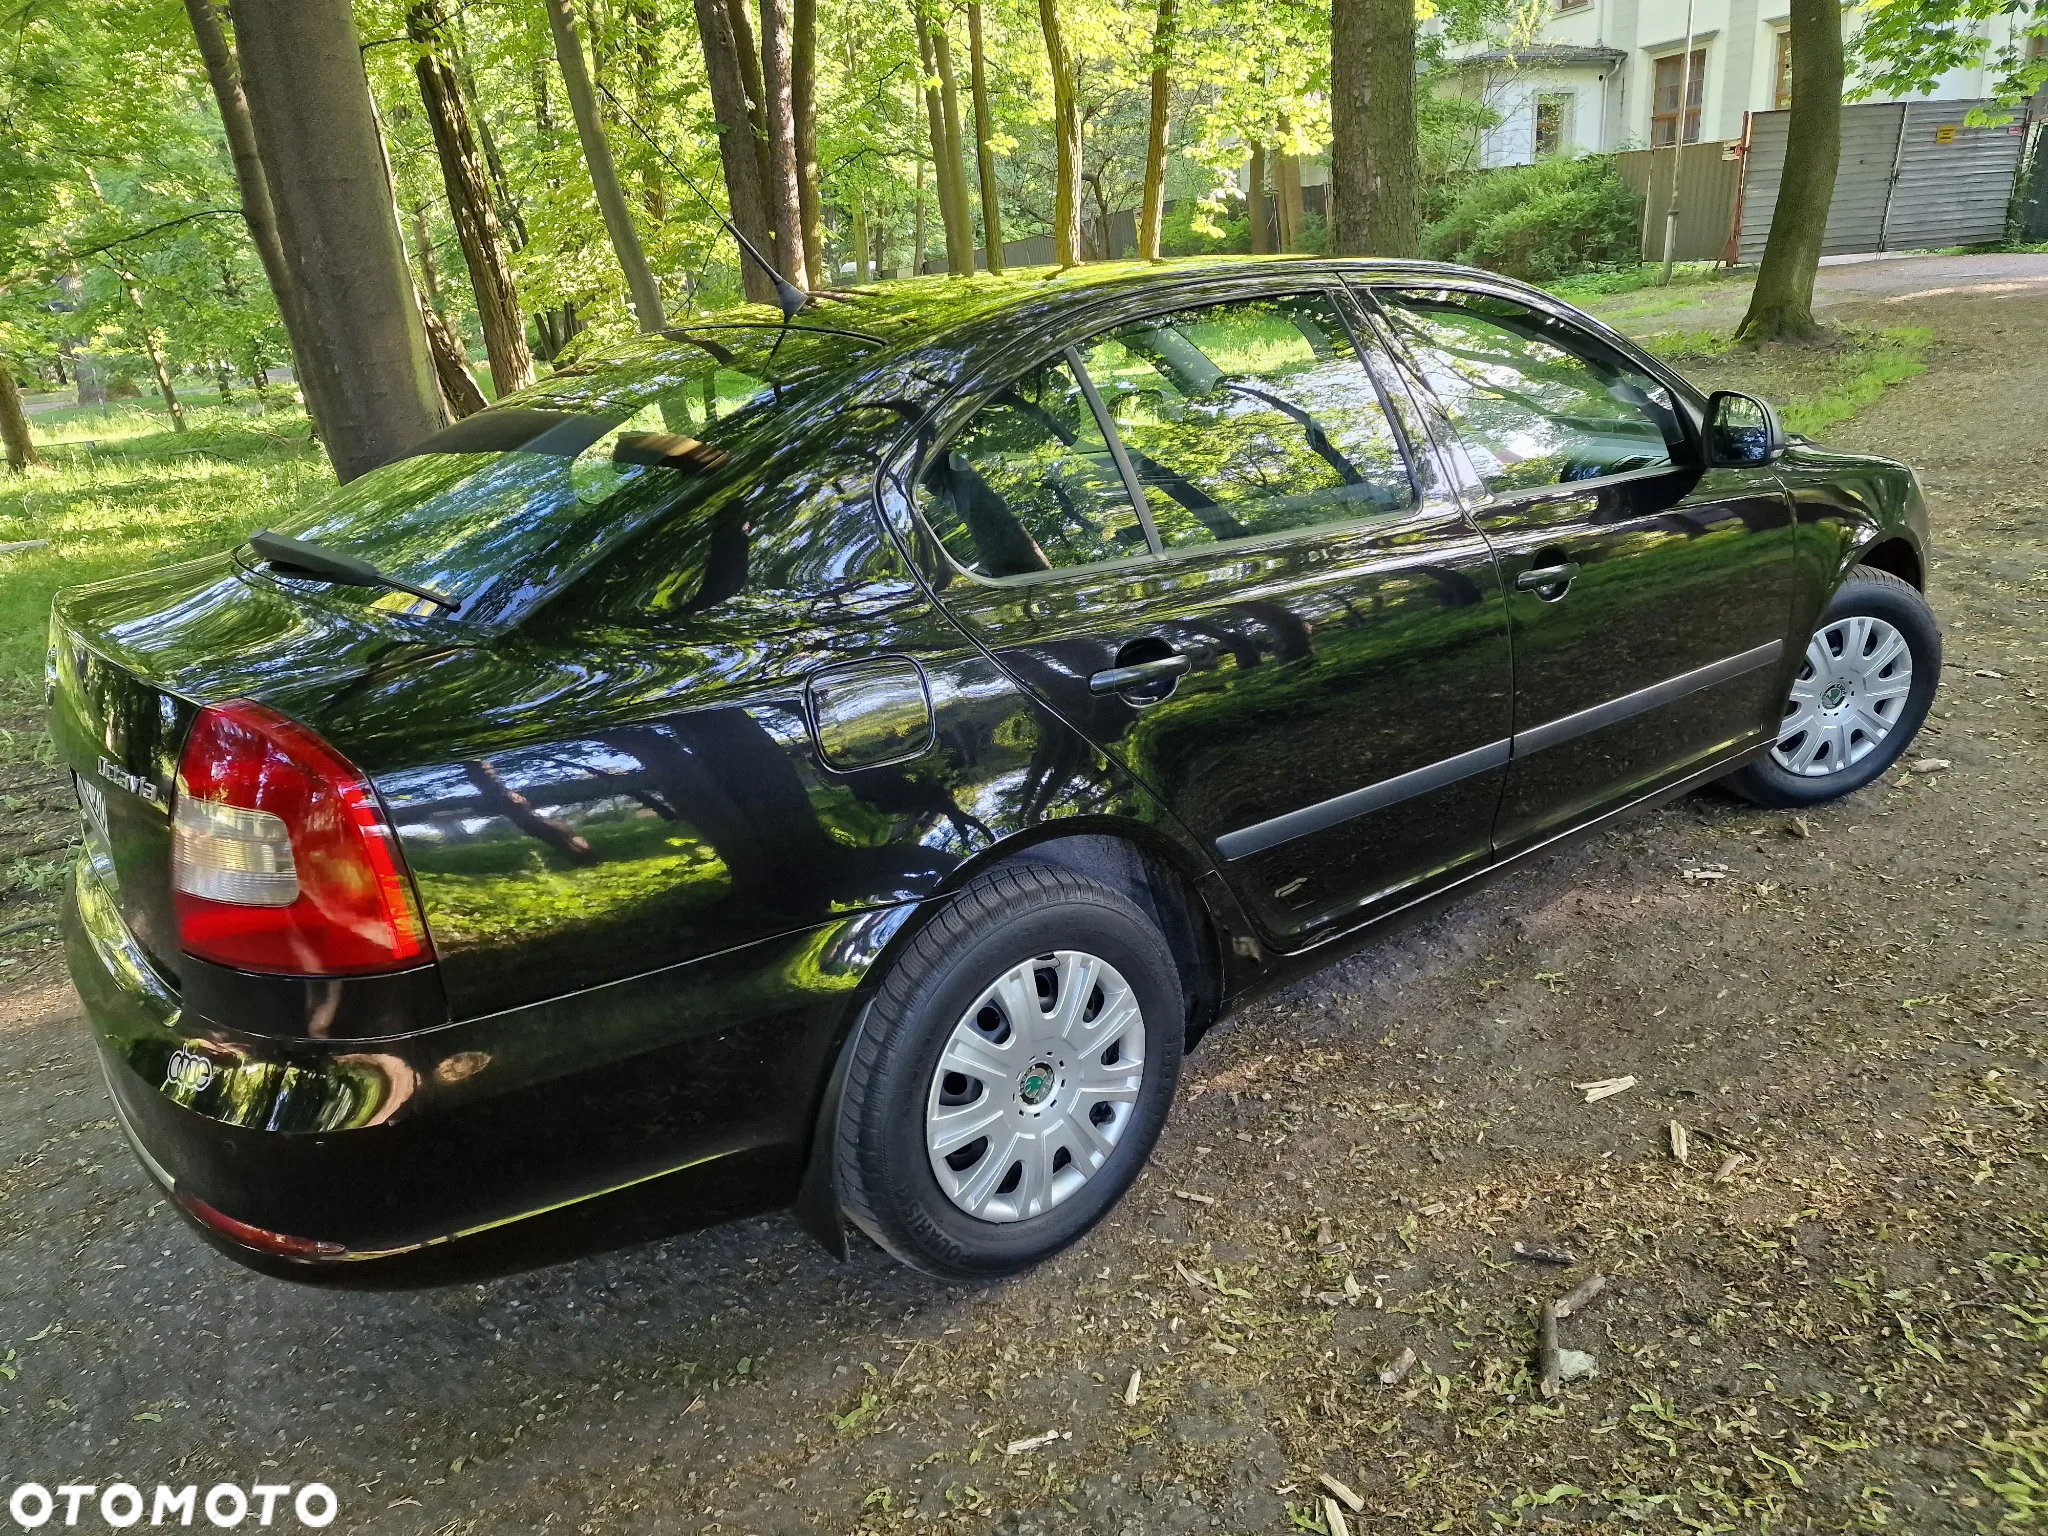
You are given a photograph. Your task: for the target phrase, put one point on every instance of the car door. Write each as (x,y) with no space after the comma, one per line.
(1649,596)
(1205,535)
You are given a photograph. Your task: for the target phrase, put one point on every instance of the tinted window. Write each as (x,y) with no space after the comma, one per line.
(1250,418)
(506,506)
(1029,484)
(1536,401)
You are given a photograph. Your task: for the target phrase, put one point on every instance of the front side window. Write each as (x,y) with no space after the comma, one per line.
(1030,484)
(1250,418)
(1537,402)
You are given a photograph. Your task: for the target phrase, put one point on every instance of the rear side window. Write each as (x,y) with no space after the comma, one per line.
(1536,402)
(1030,484)
(1250,418)
(506,507)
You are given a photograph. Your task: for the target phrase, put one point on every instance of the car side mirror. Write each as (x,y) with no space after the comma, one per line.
(1741,430)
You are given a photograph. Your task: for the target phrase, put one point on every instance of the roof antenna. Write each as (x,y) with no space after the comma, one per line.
(792,299)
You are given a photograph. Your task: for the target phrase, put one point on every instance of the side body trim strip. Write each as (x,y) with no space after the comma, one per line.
(1614,711)
(1262,835)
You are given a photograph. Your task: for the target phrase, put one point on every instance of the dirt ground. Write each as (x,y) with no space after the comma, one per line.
(1833,1317)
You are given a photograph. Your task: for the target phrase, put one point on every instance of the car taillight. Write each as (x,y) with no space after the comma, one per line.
(281,858)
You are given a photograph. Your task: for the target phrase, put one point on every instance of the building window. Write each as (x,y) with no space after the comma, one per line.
(1573,5)
(1670,78)
(1554,125)
(1781,98)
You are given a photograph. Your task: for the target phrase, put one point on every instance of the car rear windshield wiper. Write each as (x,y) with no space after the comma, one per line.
(296,557)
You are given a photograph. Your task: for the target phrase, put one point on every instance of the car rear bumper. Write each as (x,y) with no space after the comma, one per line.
(329,1152)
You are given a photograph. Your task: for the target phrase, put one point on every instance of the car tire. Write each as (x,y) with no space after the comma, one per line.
(1832,743)
(990,1030)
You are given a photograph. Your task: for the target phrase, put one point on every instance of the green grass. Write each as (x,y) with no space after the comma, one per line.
(1585,286)
(123,493)
(1872,362)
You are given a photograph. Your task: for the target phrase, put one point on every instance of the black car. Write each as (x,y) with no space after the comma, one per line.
(845,763)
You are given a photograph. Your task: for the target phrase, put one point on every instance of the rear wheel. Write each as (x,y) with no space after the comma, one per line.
(1864,688)
(1012,1075)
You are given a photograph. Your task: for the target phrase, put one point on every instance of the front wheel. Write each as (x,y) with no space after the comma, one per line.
(1863,690)
(1011,1076)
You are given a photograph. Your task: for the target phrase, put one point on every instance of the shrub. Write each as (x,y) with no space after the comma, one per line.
(1542,222)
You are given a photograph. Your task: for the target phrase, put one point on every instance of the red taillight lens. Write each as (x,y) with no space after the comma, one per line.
(282,859)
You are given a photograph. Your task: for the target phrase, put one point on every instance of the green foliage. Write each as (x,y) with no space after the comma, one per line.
(1904,47)
(1541,222)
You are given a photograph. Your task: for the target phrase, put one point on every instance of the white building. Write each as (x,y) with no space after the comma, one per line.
(1604,75)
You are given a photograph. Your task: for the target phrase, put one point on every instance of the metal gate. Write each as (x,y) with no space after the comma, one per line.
(1913,175)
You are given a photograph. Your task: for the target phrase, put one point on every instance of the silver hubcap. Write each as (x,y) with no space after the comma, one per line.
(1849,696)
(1035,1086)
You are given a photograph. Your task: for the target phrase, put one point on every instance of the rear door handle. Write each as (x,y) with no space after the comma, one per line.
(1117,679)
(1547,576)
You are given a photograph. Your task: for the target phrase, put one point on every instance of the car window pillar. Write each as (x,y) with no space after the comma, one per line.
(1107,428)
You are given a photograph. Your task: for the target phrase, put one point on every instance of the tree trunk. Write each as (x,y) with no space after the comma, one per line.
(604,175)
(861,270)
(1066,126)
(258,211)
(785,205)
(1781,305)
(757,97)
(430,271)
(1152,204)
(1255,203)
(935,123)
(224,381)
(954,167)
(14,433)
(727,74)
(646,66)
(508,204)
(984,156)
(368,377)
(1287,195)
(1374,168)
(803,96)
(917,228)
(459,390)
(466,178)
(153,345)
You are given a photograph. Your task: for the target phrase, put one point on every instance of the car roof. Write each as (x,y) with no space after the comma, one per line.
(911,312)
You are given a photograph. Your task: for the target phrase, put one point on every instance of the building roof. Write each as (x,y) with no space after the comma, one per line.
(1548,55)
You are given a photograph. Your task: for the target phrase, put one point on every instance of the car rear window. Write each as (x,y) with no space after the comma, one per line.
(505,507)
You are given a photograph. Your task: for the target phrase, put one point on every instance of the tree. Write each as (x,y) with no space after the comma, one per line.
(945,137)
(1066,130)
(785,203)
(367,361)
(466,179)
(14,433)
(803,96)
(604,175)
(258,212)
(1255,202)
(1152,210)
(984,151)
(735,130)
(1374,166)
(1781,304)
(1904,50)
(954,167)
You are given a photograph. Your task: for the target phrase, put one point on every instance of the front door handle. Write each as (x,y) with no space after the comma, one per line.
(1541,577)
(1118,679)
